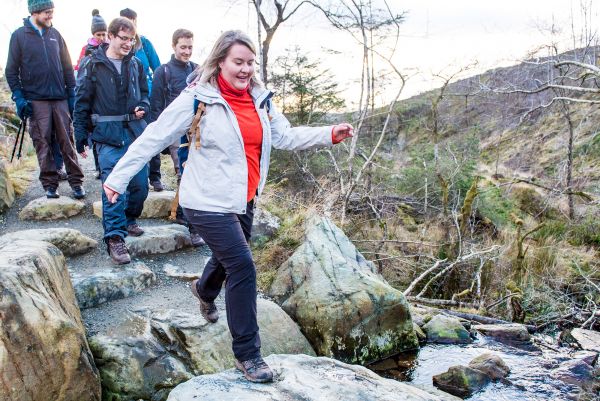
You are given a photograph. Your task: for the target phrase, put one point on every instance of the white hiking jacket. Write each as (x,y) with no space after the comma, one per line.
(215,177)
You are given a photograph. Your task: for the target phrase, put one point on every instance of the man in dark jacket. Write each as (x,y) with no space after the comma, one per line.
(40,76)
(169,80)
(112,99)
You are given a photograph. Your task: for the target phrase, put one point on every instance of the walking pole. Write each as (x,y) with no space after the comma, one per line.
(16,141)
(22,138)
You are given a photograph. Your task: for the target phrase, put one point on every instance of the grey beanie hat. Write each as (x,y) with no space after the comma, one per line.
(35,6)
(98,23)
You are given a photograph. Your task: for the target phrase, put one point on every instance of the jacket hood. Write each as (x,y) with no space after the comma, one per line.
(27,24)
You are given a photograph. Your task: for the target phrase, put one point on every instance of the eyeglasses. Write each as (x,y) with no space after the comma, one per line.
(126,39)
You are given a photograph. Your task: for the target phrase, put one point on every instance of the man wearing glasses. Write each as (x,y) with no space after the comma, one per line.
(40,76)
(111,101)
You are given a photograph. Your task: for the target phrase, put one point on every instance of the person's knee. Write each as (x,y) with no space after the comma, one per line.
(243,270)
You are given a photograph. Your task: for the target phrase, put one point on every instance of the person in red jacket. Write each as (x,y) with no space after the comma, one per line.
(98,37)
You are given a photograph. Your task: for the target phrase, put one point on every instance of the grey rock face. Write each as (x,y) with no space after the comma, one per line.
(69,241)
(159,239)
(588,340)
(45,355)
(51,209)
(264,226)
(461,381)
(575,372)
(513,333)
(7,191)
(301,377)
(152,352)
(111,283)
(442,329)
(344,307)
(492,365)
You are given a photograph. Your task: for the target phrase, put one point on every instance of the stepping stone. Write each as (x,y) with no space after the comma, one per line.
(159,239)
(69,241)
(156,206)
(51,209)
(111,283)
(188,272)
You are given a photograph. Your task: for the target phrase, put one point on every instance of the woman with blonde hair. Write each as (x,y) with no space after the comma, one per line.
(223,176)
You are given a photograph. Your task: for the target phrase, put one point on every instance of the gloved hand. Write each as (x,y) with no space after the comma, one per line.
(142,107)
(24,109)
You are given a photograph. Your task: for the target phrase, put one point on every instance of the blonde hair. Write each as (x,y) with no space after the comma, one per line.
(209,70)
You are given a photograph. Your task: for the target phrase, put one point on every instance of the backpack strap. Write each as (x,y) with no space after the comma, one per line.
(199,109)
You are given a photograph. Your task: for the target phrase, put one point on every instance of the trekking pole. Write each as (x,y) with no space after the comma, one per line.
(12,156)
(22,139)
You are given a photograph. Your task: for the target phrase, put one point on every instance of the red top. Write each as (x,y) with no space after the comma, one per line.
(243,107)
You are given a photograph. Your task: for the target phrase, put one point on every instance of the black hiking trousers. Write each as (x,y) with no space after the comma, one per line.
(227,236)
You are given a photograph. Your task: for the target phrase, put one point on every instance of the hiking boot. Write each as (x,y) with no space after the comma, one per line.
(78,192)
(118,251)
(255,370)
(197,239)
(52,194)
(134,230)
(208,310)
(62,174)
(157,186)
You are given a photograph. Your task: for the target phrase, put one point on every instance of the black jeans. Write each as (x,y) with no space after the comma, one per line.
(227,236)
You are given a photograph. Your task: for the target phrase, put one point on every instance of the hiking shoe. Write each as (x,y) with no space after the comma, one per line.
(255,370)
(62,174)
(52,194)
(134,230)
(157,186)
(118,251)
(208,310)
(78,192)
(197,239)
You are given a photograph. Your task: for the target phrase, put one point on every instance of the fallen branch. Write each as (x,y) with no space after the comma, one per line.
(441,302)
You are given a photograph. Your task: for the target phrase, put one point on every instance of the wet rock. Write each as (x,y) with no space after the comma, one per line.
(587,339)
(344,307)
(69,241)
(159,239)
(188,272)
(111,283)
(153,351)
(589,357)
(7,191)
(575,372)
(442,329)
(513,333)
(51,209)
(156,206)
(492,365)
(43,349)
(301,377)
(265,225)
(461,381)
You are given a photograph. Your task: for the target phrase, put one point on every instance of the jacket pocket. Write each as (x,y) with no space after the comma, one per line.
(110,133)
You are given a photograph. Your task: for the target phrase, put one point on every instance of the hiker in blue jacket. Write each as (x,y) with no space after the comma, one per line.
(144,50)
(41,78)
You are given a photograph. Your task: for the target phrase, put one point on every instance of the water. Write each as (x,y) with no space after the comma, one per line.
(529,369)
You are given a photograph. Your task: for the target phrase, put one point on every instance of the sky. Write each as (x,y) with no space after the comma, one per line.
(437,36)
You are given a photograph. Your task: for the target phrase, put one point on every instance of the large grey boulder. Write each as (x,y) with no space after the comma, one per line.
(152,352)
(490,364)
(43,349)
(159,239)
(461,381)
(575,372)
(301,377)
(513,333)
(156,206)
(69,241)
(587,339)
(51,209)
(344,307)
(111,283)
(7,191)
(442,329)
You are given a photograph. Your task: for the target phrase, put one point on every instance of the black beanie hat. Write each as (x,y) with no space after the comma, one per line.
(128,13)
(98,23)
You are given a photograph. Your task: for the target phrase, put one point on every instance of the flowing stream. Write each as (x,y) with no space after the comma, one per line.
(529,377)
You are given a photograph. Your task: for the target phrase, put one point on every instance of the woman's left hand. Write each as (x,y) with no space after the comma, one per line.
(341,132)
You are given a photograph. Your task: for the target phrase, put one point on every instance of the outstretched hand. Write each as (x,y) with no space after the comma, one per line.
(342,131)
(110,194)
